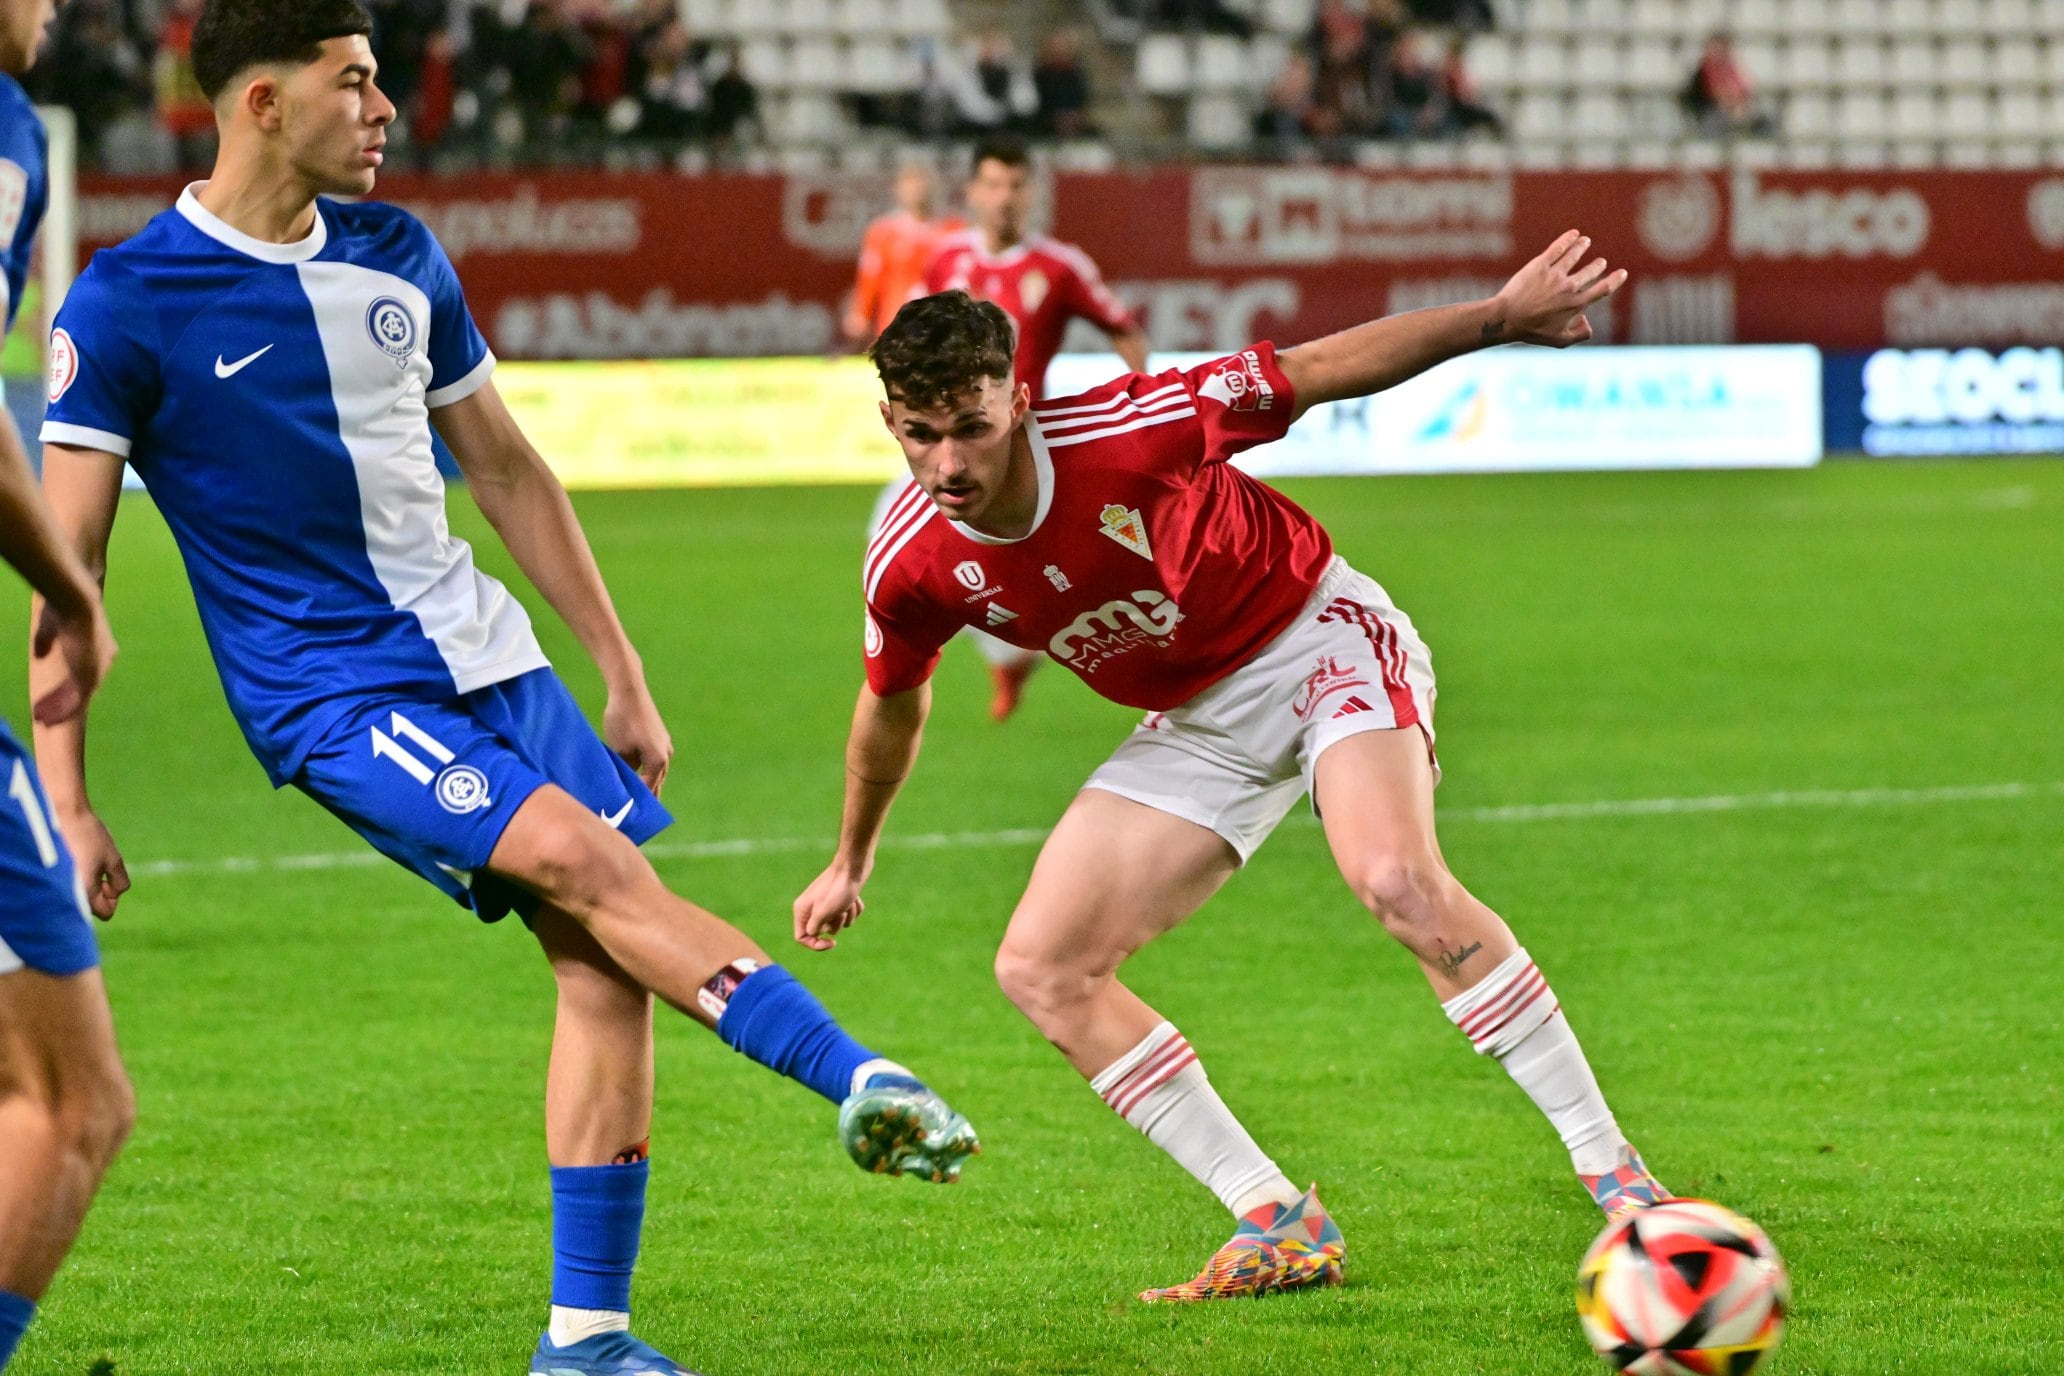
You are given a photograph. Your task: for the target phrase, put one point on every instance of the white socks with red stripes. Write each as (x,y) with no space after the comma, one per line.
(1513,1015)
(1160,1088)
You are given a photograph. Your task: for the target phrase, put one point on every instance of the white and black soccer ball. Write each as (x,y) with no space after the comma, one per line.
(1683,1288)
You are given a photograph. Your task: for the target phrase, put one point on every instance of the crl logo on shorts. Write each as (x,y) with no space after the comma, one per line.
(392,327)
(462,789)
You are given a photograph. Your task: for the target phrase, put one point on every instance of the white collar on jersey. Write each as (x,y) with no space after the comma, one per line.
(1042,468)
(223,232)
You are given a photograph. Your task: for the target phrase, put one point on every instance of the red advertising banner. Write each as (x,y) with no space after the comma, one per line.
(577,265)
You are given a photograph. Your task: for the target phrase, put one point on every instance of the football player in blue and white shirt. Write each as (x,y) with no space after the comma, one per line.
(271,363)
(65,1103)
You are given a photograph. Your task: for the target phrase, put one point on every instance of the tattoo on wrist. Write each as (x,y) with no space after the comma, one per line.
(1494,330)
(1451,962)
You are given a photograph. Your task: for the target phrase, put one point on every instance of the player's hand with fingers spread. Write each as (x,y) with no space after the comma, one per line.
(98,859)
(831,904)
(1545,301)
(633,728)
(83,640)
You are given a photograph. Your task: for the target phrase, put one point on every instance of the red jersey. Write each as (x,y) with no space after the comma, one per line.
(1153,569)
(1041,284)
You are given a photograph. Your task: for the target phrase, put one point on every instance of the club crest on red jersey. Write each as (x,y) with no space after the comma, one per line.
(1240,385)
(1125,525)
(970,574)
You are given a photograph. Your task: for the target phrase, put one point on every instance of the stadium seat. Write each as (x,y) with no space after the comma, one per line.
(1545,65)
(1913,62)
(1218,121)
(1861,62)
(811,117)
(1490,60)
(920,18)
(759,18)
(1222,64)
(1540,118)
(808,18)
(1653,16)
(2008,18)
(1759,17)
(706,18)
(1964,63)
(1861,18)
(2052,60)
(1966,115)
(1909,17)
(1916,114)
(1549,16)
(1809,64)
(1807,115)
(1267,55)
(1599,117)
(1600,62)
(1597,19)
(2016,62)
(1293,17)
(863,18)
(1860,115)
(816,64)
(2019,115)
(880,66)
(1957,17)
(1163,66)
(764,62)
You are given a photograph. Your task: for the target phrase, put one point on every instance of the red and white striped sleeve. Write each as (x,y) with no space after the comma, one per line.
(905,631)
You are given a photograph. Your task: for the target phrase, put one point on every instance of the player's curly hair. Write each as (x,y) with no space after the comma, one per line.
(233,36)
(940,348)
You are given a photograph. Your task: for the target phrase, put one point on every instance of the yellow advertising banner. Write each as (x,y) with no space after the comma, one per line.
(748,422)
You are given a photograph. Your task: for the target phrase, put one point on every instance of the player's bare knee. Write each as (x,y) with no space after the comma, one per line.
(103,1119)
(585,874)
(1405,892)
(1043,988)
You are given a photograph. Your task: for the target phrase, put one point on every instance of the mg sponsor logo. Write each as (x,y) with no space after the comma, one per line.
(1825,222)
(1149,618)
(1250,216)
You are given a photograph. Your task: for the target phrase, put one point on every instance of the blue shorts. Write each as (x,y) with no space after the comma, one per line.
(432,785)
(44,923)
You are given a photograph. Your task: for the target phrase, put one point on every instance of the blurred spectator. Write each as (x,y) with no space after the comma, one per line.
(1418,100)
(1002,96)
(1464,100)
(95,67)
(674,97)
(1291,116)
(734,102)
(183,110)
(1063,88)
(1719,97)
(437,92)
(1210,16)
(545,58)
(1470,16)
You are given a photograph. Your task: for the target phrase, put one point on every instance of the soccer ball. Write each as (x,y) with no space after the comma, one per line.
(1682,1288)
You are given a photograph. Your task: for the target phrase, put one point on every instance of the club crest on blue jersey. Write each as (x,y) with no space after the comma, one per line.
(462,789)
(392,327)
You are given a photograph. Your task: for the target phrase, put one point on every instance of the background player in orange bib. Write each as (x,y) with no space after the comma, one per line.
(896,251)
(1109,531)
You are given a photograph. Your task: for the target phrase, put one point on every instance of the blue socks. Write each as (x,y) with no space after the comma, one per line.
(597,1213)
(777,1022)
(15,1313)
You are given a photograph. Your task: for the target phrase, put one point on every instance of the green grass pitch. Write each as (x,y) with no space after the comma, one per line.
(1838,1012)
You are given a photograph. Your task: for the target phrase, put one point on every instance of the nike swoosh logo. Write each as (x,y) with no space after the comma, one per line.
(232,369)
(616,822)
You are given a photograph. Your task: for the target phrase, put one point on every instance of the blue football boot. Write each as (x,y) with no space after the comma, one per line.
(605,1354)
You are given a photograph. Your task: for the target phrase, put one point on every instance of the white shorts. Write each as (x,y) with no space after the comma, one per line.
(1238,756)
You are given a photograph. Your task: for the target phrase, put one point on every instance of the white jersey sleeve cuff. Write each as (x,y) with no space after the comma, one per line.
(465,386)
(85,437)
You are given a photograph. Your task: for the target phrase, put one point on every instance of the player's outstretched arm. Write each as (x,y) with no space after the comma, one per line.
(528,507)
(880,754)
(1544,303)
(1131,346)
(83,488)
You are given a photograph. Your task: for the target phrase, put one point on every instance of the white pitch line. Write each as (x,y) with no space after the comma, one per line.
(1032,836)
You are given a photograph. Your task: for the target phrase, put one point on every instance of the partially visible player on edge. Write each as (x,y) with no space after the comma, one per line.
(65,1102)
(272,363)
(894,254)
(1122,543)
(1042,284)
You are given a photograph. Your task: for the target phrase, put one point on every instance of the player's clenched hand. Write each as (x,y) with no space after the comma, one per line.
(99,860)
(632,727)
(86,645)
(1545,301)
(831,904)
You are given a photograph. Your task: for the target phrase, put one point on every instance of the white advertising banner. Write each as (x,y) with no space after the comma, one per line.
(1542,410)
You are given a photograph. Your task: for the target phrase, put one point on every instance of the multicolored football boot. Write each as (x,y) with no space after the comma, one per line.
(894,1125)
(605,1354)
(1275,1247)
(1626,1187)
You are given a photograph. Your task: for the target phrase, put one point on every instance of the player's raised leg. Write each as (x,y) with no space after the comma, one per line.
(65,1109)
(1375,794)
(1009,670)
(703,966)
(1114,875)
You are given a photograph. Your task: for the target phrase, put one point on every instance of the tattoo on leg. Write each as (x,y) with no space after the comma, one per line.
(1450,963)
(633,1154)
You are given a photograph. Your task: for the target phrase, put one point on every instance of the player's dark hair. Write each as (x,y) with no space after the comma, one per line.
(1004,148)
(940,348)
(233,36)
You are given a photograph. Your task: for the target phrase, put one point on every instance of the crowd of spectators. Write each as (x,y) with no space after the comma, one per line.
(1373,69)
(535,80)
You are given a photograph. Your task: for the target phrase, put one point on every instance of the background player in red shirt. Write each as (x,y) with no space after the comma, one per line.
(1042,284)
(1109,530)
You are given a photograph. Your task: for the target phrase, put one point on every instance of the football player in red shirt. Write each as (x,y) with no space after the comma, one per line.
(1042,284)
(1110,531)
